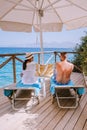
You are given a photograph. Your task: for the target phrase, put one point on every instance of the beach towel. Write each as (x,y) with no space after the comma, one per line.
(36,86)
(53,83)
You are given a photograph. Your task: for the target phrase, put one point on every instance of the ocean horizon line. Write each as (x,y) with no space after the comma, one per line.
(35,47)
(4,50)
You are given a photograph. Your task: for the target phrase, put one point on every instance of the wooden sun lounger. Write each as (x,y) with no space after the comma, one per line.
(23,96)
(67,93)
(40,72)
(47,71)
(75,77)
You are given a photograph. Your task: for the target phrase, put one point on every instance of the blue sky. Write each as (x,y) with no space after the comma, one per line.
(56,39)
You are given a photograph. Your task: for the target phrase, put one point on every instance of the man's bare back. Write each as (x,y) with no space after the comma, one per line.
(63,70)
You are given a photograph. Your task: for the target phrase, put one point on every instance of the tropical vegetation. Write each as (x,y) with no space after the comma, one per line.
(80,59)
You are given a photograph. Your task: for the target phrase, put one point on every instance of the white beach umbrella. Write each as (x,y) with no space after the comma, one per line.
(42,15)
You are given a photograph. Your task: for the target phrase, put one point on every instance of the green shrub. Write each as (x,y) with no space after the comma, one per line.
(80,59)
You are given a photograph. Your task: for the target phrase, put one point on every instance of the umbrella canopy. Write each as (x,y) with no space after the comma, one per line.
(42,15)
(21,15)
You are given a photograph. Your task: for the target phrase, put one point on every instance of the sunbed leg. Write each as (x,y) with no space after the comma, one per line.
(52,98)
(38,100)
(10,99)
(13,104)
(79,96)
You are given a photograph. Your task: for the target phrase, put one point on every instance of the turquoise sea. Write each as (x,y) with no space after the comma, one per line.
(6,73)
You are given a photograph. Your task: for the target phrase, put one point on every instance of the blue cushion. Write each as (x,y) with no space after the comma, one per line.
(81,91)
(36,86)
(54,83)
(8,92)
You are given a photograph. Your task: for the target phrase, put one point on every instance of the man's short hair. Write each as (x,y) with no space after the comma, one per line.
(63,54)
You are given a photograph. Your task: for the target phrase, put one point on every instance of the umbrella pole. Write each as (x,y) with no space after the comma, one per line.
(41,39)
(42,51)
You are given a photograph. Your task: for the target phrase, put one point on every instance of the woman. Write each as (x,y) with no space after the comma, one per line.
(29,70)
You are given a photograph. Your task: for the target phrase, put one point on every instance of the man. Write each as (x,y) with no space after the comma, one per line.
(62,73)
(63,69)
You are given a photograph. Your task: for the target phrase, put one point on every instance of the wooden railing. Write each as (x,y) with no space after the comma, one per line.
(14,57)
